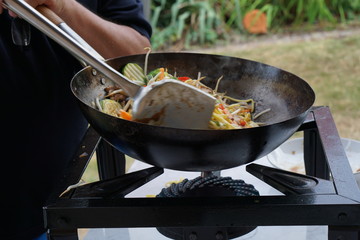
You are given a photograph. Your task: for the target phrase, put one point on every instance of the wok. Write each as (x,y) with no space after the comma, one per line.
(289,97)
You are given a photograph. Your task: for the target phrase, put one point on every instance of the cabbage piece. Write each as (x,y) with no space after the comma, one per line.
(110,107)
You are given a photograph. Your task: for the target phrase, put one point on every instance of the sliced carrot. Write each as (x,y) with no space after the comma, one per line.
(162,74)
(125,115)
(245,110)
(221,106)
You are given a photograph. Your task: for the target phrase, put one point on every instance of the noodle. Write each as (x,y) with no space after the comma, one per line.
(261,113)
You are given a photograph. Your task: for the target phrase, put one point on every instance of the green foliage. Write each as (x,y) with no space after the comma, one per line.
(286,12)
(184,21)
(187,22)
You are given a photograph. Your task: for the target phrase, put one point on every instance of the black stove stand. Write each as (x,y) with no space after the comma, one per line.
(311,199)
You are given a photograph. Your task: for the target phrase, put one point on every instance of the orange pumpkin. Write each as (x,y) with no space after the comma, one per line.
(255,22)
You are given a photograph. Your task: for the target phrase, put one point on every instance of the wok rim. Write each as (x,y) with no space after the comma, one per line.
(304,83)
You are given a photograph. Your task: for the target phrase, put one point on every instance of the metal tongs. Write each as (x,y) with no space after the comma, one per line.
(178,104)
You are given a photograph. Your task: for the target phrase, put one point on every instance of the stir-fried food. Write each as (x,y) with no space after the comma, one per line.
(229,113)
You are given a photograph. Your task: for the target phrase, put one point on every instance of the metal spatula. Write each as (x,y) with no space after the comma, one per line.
(169,103)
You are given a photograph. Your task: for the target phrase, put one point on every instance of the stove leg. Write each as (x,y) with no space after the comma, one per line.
(314,156)
(111,162)
(344,233)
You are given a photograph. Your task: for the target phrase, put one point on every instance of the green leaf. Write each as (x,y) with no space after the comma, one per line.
(202,16)
(181,24)
(155,16)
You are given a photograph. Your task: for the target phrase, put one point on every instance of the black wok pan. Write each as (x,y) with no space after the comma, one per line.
(288,96)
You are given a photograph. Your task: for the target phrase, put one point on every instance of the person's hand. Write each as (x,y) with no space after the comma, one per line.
(55,5)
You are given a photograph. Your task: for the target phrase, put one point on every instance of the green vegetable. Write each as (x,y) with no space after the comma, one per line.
(135,73)
(110,107)
(154,72)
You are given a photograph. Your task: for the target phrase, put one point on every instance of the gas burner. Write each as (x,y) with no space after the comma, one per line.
(207,187)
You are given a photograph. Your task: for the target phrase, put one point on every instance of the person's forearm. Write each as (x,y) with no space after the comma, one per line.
(109,39)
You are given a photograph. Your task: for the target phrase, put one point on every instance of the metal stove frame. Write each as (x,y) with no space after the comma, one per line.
(311,199)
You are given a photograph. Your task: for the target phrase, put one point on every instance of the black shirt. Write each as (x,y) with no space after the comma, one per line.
(42,123)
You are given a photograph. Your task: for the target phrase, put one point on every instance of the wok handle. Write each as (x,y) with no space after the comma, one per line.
(28,13)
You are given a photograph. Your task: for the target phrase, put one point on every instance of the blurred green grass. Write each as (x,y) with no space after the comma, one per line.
(331,66)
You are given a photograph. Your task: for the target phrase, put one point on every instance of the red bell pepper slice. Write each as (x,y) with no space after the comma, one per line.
(183,78)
